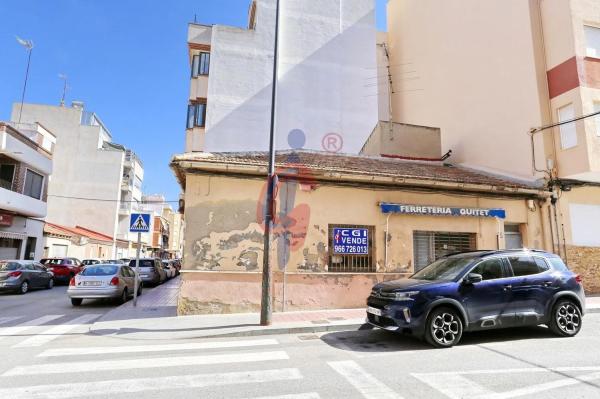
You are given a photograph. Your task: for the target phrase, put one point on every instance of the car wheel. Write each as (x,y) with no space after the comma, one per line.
(76,301)
(443,328)
(566,318)
(50,284)
(124,296)
(24,288)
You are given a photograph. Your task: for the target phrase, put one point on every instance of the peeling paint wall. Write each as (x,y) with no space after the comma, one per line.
(224,240)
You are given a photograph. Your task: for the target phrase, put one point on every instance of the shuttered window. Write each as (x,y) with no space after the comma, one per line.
(429,246)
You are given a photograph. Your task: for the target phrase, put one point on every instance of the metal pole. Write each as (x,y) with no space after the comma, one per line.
(25,84)
(266,310)
(137,269)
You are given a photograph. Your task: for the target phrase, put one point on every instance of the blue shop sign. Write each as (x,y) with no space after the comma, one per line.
(431,210)
(349,241)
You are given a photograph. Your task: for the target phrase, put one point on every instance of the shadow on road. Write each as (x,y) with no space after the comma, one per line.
(379,341)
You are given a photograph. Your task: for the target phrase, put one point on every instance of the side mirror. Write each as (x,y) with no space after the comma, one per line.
(473,278)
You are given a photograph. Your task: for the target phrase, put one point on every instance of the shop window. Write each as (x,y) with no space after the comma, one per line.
(352,262)
(429,246)
(512,236)
(568,131)
(9,248)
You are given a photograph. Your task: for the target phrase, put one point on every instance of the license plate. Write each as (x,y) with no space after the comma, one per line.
(375,311)
(144,275)
(92,283)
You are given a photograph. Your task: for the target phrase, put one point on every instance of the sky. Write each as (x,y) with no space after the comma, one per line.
(125,59)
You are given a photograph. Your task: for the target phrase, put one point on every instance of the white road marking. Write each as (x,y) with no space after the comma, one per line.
(155,348)
(307,395)
(365,383)
(545,386)
(14,330)
(8,319)
(454,386)
(116,387)
(56,331)
(145,363)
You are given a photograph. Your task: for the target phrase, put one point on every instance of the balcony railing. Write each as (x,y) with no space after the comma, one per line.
(37,135)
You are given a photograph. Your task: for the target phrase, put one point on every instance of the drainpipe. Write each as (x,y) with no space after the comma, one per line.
(387,226)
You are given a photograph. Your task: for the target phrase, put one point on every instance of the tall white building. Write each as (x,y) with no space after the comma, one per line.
(327,78)
(26,152)
(96,183)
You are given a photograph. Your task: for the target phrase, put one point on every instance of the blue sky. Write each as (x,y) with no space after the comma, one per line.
(125,59)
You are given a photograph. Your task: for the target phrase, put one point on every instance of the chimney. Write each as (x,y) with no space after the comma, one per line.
(77,104)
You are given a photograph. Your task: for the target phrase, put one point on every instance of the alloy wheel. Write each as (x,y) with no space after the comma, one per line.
(24,287)
(445,328)
(567,318)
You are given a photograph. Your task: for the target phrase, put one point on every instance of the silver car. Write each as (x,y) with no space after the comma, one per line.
(111,281)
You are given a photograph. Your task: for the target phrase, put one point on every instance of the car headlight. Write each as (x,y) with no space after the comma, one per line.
(405,296)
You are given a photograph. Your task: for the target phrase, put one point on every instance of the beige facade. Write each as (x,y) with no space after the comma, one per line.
(223,251)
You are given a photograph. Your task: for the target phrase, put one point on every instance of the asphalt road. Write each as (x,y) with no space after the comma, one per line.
(57,358)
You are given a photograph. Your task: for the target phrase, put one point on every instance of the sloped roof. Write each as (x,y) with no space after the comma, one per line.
(359,165)
(55,229)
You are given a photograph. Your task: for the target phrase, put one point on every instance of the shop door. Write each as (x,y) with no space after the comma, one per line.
(9,248)
(428,246)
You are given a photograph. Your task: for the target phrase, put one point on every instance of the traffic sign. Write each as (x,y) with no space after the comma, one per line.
(139,223)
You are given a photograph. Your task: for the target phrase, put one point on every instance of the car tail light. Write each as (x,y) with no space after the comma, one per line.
(114,281)
(14,274)
(72,281)
(578,279)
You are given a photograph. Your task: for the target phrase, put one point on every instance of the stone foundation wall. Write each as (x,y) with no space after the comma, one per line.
(585,261)
(230,292)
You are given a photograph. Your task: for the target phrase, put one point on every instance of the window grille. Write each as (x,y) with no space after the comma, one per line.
(429,246)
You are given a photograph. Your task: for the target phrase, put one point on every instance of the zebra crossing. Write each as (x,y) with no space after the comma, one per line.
(40,331)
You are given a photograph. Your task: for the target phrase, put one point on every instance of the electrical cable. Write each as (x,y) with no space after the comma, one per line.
(114,200)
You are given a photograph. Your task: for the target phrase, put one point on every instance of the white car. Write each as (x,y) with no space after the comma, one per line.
(170,270)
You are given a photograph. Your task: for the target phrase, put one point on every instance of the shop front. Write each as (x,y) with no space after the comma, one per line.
(20,237)
(342,224)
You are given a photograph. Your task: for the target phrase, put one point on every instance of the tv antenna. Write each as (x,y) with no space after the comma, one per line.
(65,87)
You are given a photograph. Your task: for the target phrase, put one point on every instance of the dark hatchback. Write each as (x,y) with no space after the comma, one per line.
(478,291)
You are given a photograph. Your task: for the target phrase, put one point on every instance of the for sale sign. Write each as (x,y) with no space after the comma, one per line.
(350,241)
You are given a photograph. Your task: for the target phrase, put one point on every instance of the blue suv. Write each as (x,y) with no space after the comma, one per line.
(479,291)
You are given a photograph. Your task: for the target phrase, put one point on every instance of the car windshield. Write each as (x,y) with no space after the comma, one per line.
(445,269)
(8,266)
(106,270)
(89,262)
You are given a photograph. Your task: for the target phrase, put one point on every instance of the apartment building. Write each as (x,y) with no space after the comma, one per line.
(96,183)
(485,73)
(26,163)
(326,70)
(176,232)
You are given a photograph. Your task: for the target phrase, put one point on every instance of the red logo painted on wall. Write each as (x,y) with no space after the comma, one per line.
(6,220)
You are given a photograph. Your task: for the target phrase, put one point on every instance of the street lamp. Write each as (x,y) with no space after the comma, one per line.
(28,44)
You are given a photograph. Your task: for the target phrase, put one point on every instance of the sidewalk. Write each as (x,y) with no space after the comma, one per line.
(155,318)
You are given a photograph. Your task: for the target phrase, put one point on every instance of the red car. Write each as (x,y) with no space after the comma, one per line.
(63,268)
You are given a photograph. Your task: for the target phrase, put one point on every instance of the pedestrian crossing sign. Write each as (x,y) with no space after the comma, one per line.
(139,223)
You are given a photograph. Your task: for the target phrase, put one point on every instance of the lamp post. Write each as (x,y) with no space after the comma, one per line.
(266,309)
(28,44)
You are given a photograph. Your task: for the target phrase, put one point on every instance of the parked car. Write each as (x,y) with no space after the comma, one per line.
(170,270)
(87,262)
(177,264)
(151,270)
(110,281)
(480,291)
(63,268)
(22,275)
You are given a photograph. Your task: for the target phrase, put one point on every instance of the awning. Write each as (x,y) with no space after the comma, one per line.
(14,236)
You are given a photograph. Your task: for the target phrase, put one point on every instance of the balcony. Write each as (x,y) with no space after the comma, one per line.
(30,144)
(127,184)
(21,204)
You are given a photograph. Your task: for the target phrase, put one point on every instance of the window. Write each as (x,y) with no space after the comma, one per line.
(568,131)
(592,41)
(597,117)
(558,264)
(196,116)
(200,64)
(541,263)
(512,236)
(490,269)
(7,174)
(33,184)
(524,265)
(429,246)
(352,263)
